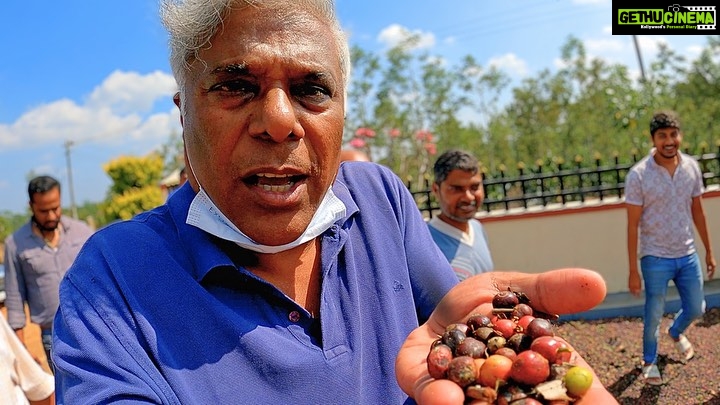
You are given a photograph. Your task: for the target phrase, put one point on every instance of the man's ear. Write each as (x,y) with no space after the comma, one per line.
(178,103)
(435,188)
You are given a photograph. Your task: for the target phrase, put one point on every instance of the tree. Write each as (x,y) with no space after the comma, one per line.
(135,186)
(10,222)
(172,153)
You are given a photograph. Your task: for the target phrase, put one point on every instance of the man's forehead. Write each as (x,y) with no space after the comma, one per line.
(461,177)
(668,130)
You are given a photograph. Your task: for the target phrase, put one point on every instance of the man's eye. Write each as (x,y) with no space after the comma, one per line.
(235,86)
(312,93)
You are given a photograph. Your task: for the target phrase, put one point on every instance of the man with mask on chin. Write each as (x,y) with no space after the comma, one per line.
(274,275)
(37,256)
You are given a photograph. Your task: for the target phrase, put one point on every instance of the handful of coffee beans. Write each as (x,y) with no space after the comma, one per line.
(511,357)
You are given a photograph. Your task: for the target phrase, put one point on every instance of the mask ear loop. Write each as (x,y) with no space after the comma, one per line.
(185,148)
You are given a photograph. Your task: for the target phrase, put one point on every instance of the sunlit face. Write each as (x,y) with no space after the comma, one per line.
(263,121)
(460,196)
(46,209)
(667,142)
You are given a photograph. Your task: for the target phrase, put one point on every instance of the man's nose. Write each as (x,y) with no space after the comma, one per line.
(469,195)
(277,118)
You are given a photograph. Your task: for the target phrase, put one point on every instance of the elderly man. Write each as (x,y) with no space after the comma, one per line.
(271,276)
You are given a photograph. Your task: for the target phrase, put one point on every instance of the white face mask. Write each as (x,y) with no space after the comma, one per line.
(204,214)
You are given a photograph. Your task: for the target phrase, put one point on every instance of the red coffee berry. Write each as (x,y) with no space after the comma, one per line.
(530,368)
(462,371)
(439,360)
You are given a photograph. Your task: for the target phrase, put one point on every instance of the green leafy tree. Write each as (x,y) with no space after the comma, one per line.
(405,105)
(172,153)
(135,186)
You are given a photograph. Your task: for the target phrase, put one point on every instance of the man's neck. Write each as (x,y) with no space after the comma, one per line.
(461,225)
(669,163)
(50,236)
(295,272)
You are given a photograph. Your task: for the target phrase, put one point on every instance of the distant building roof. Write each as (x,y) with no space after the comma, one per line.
(172,179)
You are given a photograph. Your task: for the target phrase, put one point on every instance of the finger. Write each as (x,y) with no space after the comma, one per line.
(559,291)
(567,290)
(438,392)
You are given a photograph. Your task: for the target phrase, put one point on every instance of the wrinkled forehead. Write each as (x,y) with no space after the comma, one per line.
(286,32)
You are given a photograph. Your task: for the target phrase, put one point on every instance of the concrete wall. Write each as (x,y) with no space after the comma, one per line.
(590,235)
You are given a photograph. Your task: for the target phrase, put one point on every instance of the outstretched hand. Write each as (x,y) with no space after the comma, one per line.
(556,292)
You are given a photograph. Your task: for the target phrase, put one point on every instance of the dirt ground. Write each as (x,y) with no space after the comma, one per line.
(33,341)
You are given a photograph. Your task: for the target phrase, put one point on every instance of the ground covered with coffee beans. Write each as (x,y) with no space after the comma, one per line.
(613,347)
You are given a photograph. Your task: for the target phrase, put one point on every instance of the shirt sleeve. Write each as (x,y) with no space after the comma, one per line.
(32,380)
(633,188)
(14,286)
(98,356)
(698,186)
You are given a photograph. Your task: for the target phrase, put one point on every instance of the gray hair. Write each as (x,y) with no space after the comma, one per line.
(454,159)
(191,24)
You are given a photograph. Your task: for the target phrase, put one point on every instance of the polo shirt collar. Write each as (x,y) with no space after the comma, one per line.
(195,239)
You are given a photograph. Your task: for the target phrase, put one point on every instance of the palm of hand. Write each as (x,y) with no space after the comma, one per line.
(558,291)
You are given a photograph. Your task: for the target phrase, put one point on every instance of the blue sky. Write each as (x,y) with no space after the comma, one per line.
(96,73)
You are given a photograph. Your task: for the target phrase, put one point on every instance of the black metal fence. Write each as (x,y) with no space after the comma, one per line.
(547,184)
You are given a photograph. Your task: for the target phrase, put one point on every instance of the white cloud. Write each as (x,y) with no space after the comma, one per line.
(509,63)
(694,51)
(437,60)
(115,110)
(126,92)
(601,46)
(559,63)
(649,45)
(395,35)
(162,123)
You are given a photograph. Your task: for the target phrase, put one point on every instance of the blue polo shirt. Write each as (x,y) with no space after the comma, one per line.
(156,310)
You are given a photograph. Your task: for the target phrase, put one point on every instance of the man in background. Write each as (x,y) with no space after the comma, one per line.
(663,196)
(353,155)
(36,258)
(459,190)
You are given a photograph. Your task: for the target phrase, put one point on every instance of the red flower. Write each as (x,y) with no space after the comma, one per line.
(394,133)
(423,135)
(367,132)
(357,143)
(431,148)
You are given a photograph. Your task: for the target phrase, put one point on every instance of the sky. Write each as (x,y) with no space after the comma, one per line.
(90,80)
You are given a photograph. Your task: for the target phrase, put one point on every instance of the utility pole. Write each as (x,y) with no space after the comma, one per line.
(639,56)
(73,207)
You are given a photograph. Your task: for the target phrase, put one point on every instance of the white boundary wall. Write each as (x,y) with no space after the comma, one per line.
(592,235)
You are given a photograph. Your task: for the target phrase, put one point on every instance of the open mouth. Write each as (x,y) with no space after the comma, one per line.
(277,183)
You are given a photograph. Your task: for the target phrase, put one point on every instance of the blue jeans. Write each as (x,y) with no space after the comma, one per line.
(46,335)
(687,275)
